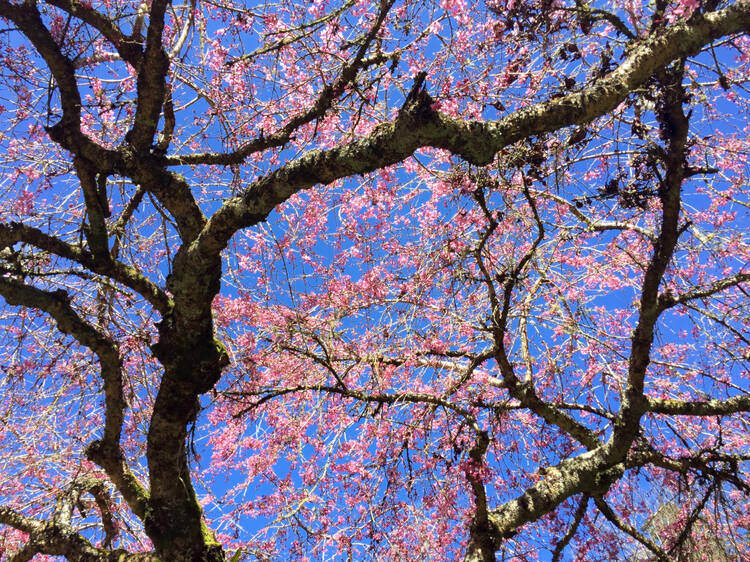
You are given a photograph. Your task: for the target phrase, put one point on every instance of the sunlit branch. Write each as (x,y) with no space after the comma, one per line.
(127,213)
(326,362)
(699,408)
(595,224)
(586,473)
(477,142)
(98,489)
(524,332)
(418,125)
(59,539)
(524,391)
(187,24)
(57,305)
(306,28)
(165,138)
(18,521)
(140,17)
(721,321)
(428,359)
(85,62)
(549,412)
(494,300)
(118,230)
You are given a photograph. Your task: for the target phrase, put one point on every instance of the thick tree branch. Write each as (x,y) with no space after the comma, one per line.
(674,125)
(109,456)
(172,191)
(96,230)
(476,142)
(699,408)
(59,539)
(98,489)
(151,83)
(18,521)
(482,537)
(604,464)
(586,473)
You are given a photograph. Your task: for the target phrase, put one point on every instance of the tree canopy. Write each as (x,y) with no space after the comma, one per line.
(358,279)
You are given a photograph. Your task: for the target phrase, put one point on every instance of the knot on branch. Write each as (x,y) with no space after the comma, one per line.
(485,539)
(418,103)
(103,453)
(476,453)
(62,296)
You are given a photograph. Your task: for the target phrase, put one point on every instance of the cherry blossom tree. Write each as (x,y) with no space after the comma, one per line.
(403,280)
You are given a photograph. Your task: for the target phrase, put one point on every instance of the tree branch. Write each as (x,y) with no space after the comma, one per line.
(674,126)
(151,82)
(128,48)
(130,277)
(596,225)
(59,539)
(380,398)
(587,473)
(482,536)
(476,142)
(572,529)
(667,300)
(325,100)
(524,391)
(67,132)
(699,408)
(630,530)
(57,305)
(96,230)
